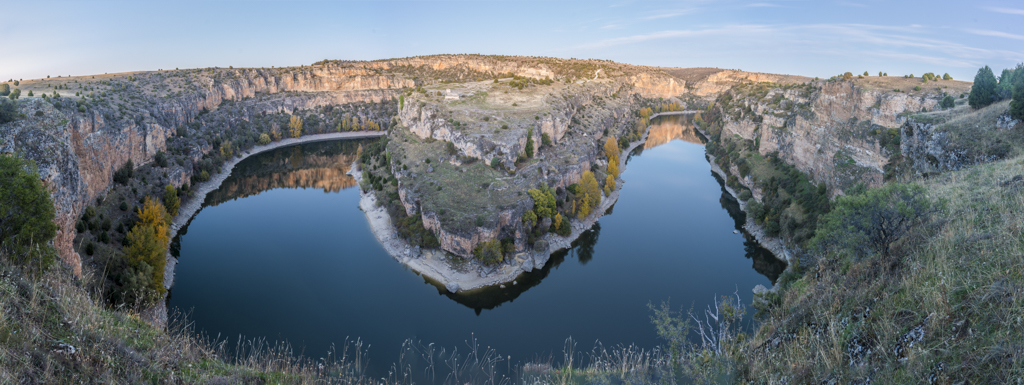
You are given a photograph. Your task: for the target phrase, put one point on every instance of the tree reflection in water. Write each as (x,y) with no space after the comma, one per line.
(491,297)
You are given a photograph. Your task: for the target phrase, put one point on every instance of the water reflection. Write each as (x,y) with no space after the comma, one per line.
(321,165)
(664,129)
(491,297)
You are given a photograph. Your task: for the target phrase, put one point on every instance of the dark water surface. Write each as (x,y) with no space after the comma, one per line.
(282,251)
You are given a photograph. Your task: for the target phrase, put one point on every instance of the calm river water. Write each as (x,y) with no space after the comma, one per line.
(282,251)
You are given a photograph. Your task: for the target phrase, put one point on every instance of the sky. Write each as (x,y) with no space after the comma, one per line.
(811,38)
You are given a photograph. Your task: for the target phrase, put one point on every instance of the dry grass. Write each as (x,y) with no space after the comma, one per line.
(52,331)
(947,311)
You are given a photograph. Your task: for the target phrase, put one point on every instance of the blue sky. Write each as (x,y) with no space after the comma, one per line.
(813,38)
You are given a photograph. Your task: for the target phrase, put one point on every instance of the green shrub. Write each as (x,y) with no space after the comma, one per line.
(27,214)
(947,102)
(8,111)
(5,89)
(125,173)
(873,222)
(489,252)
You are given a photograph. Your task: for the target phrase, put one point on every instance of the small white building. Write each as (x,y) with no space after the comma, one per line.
(449,95)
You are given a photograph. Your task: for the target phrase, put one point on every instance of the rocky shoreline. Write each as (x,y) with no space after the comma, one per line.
(775,245)
(469,275)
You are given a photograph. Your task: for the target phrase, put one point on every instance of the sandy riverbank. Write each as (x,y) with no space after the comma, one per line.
(469,275)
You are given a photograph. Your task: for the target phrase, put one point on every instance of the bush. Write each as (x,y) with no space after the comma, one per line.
(27,214)
(5,89)
(125,173)
(872,222)
(847,76)
(160,159)
(983,90)
(171,201)
(14,94)
(489,252)
(947,102)
(264,139)
(745,195)
(8,111)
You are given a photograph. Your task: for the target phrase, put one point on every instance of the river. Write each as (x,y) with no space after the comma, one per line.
(282,251)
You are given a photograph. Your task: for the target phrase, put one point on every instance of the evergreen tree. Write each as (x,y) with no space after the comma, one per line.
(1017,105)
(26,213)
(984,89)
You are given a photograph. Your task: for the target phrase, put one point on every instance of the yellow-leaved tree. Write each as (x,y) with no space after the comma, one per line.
(147,248)
(611,150)
(295,126)
(589,197)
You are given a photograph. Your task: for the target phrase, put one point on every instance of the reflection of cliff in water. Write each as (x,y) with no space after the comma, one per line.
(764,262)
(493,296)
(321,165)
(666,128)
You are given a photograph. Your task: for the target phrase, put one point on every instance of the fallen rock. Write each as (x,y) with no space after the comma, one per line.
(452,287)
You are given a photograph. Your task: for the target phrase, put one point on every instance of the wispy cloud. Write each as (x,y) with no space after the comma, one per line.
(1009,11)
(669,14)
(674,34)
(995,34)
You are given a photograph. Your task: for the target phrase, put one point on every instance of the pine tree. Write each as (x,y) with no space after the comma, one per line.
(1017,105)
(984,88)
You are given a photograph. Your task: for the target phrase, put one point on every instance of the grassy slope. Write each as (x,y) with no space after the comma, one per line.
(38,315)
(947,311)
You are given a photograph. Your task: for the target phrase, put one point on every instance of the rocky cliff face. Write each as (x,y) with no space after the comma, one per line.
(78,149)
(828,130)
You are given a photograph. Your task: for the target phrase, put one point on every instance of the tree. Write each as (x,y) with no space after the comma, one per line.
(946,76)
(171,200)
(530,219)
(529,143)
(866,73)
(879,73)
(609,183)
(545,139)
(983,90)
(847,76)
(1017,105)
(611,150)
(5,89)
(15,94)
(1004,89)
(295,126)
(589,196)
(556,221)
(26,214)
(543,201)
(153,214)
(124,174)
(874,221)
(264,139)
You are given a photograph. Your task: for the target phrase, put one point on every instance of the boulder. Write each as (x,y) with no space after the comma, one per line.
(452,287)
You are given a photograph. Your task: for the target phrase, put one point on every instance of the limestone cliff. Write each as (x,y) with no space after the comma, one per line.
(827,129)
